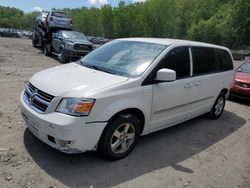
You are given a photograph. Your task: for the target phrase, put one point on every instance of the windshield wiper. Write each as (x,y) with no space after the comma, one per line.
(90,66)
(83,63)
(95,67)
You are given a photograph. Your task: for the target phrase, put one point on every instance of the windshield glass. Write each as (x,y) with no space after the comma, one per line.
(74,35)
(245,68)
(127,58)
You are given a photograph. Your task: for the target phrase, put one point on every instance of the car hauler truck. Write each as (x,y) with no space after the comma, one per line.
(54,35)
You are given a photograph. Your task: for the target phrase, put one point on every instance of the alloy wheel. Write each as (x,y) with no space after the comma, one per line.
(219,106)
(122,138)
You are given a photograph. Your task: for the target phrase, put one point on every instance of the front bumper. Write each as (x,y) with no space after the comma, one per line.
(75,53)
(63,132)
(240,92)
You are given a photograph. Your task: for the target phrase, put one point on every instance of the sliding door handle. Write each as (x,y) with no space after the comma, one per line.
(188,85)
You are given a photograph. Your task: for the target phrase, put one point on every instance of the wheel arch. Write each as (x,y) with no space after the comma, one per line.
(135,111)
(225,92)
(61,47)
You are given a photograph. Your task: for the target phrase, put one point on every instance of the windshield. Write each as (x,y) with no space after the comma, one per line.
(74,35)
(245,68)
(127,58)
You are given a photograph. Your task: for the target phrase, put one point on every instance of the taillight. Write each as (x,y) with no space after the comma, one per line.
(50,18)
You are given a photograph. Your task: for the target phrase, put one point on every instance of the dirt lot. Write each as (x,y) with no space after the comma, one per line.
(198,153)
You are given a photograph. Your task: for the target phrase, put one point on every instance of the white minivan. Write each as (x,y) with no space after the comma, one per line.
(124,89)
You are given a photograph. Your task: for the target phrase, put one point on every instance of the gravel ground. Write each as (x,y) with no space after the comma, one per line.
(197,153)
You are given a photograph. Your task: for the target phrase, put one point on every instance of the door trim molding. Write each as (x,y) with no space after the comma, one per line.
(182,105)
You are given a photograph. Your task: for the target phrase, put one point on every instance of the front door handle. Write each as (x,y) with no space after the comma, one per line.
(199,83)
(188,85)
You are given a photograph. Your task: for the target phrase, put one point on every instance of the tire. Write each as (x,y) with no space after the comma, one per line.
(34,41)
(34,44)
(46,50)
(122,133)
(62,57)
(218,107)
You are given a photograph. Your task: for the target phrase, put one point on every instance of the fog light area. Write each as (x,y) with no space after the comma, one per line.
(58,142)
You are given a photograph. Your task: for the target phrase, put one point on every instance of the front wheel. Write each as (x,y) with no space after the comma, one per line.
(218,107)
(62,58)
(46,50)
(120,137)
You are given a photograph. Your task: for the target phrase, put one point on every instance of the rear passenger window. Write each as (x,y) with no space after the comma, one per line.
(224,60)
(204,61)
(178,60)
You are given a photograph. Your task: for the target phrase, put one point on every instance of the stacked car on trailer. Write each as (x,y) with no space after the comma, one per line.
(53,33)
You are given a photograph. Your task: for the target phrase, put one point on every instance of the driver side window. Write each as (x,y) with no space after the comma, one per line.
(178,59)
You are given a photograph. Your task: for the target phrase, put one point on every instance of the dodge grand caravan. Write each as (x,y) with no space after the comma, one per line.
(124,89)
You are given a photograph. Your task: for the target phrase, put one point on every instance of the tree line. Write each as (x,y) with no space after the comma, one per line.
(223,22)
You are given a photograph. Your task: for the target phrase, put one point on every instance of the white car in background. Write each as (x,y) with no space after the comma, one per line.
(124,89)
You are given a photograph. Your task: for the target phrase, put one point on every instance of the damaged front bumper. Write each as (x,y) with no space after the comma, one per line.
(63,132)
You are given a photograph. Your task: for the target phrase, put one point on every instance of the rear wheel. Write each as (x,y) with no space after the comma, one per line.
(218,107)
(34,40)
(120,137)
(34,44)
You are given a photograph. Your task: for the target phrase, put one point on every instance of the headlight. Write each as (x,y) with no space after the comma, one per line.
(69,46)
(75,106)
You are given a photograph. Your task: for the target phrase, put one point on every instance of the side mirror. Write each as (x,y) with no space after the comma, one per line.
(53,35)
(166,75)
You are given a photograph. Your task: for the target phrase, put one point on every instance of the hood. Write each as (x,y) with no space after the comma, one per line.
(242,77)
(73,80)
(82,41)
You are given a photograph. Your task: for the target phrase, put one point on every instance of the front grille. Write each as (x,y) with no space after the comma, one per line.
(37,99)
(242,84)
(85,47)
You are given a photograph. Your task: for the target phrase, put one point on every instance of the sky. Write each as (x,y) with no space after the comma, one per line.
(30,5)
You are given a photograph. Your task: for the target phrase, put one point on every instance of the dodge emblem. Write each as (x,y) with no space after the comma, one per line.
(32,96)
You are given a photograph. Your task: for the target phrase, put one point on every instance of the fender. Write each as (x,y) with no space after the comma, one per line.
(118,106)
